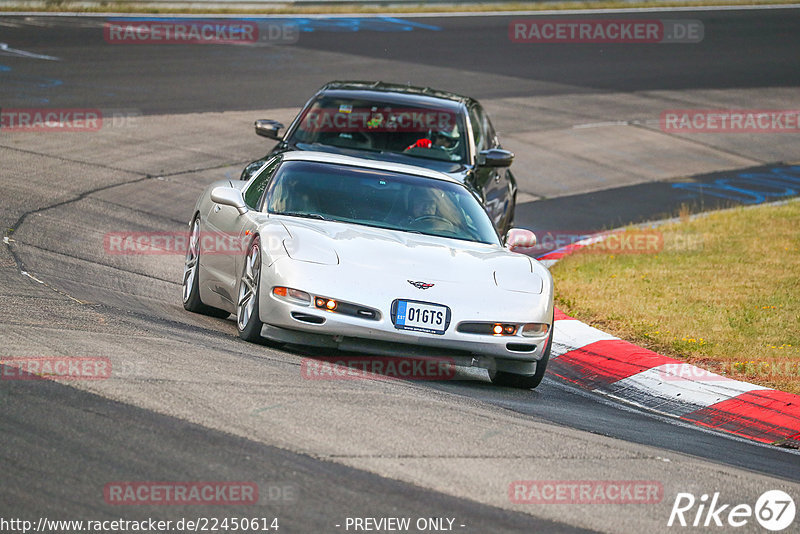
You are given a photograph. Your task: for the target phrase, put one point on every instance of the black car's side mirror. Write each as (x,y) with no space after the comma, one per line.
(268,128)
(495,157)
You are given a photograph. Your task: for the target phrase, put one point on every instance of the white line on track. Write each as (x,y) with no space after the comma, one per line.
(4,48)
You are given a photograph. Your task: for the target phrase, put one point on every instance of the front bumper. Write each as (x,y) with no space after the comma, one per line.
(303,325)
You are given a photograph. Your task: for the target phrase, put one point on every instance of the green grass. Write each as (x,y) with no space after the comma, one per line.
(59,6)
(723,294)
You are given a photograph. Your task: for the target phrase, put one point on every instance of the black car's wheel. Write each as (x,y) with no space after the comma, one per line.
(502,378)
(247,317)
(191,277)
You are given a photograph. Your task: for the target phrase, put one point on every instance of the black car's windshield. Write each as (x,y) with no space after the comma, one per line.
(432,133)
(378,198)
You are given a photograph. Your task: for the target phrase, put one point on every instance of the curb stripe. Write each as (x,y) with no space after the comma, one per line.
(766,416)
(661,390)
(572,334)
(600,362)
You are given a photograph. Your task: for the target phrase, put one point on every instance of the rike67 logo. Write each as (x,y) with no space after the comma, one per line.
(774,510)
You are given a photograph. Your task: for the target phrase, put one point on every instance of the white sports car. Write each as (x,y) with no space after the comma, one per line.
(369,256)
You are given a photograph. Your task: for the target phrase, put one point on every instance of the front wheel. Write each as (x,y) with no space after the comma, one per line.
(503,378)
(247,317)
(191,277)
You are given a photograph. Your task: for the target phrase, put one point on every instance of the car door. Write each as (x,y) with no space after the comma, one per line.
(504,187)
(226,238)
(483,179)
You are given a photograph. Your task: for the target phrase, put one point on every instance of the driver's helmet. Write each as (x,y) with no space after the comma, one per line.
(451,139)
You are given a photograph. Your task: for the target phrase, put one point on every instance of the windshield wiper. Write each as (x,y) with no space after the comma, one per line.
(304,215)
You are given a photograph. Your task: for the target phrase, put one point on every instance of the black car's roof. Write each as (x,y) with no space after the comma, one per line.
(395,92)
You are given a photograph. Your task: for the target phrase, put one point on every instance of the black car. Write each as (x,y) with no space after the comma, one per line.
(404,124)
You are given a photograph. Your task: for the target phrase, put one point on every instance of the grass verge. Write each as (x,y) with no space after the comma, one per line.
(164,6)
(723,293)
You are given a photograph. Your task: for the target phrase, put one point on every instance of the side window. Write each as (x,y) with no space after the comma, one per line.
(259,184)
(477,132)
(490,137)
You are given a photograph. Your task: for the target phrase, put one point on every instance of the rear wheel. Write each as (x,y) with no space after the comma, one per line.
(247,317)
(191,277)
(503,378)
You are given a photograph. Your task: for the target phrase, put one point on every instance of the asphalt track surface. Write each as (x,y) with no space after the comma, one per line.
(741,49)
(61,444)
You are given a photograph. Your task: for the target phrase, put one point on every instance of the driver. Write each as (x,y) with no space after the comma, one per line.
(423,204)
(429,210)
(441,139)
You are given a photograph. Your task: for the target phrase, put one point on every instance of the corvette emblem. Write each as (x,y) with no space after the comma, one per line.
(420,285)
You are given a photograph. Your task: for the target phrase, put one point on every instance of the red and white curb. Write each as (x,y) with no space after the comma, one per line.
(606,364)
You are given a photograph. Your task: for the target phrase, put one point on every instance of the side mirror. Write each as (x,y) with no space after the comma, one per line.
(229,196)
(268,128)
(495,157)
(517,238)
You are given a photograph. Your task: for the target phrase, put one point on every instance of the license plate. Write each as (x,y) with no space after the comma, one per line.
(420,316)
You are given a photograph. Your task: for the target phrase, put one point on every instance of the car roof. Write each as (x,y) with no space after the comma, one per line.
(327,157)
(395,92)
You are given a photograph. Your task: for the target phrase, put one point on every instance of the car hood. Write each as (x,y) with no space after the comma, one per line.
(378,252)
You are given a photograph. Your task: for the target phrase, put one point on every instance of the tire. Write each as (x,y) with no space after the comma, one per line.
(502,378)
(247,303)
(191,277)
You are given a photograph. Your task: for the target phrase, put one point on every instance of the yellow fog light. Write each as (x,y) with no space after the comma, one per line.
(325,304)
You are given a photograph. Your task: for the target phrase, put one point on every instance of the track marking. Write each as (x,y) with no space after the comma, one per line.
(4,48)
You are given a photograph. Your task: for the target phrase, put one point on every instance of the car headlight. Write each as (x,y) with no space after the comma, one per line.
(311,251)
(488,329)
(345,308)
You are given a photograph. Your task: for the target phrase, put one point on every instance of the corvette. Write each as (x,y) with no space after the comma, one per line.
(370,256)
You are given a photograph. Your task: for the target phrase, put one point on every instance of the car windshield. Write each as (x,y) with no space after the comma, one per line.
(432,133)
(379,198)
